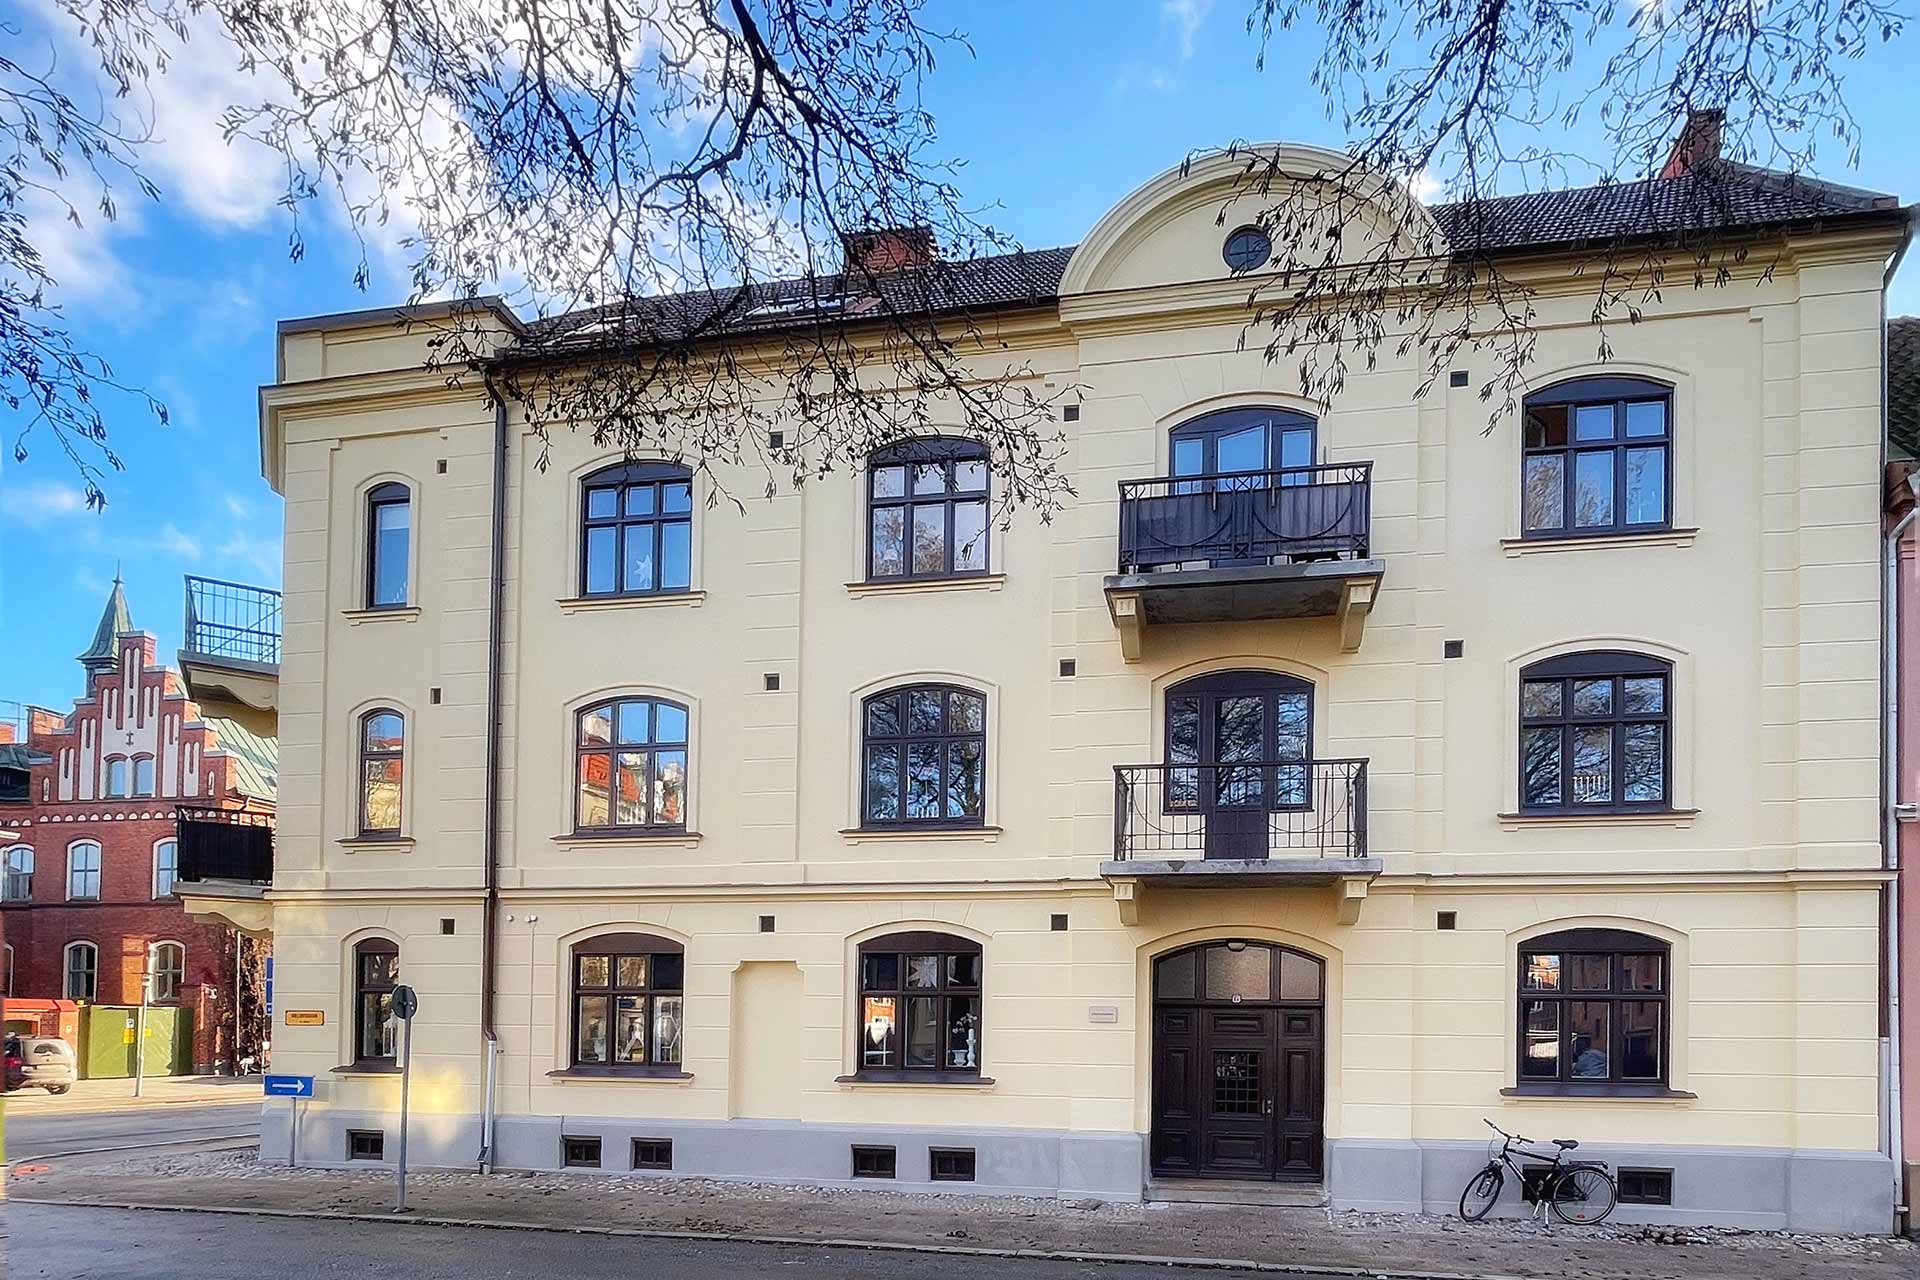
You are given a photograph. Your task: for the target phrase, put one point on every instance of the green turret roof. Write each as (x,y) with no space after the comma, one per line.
(104,653)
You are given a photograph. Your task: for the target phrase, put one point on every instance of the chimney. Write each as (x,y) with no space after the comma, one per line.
(1698,144)
(887,249)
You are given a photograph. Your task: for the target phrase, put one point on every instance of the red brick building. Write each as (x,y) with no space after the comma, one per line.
(88,900)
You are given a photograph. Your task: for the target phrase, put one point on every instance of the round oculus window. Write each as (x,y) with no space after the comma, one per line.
(1247,249)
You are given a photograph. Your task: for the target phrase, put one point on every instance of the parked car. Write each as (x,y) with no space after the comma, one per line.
(40,1062)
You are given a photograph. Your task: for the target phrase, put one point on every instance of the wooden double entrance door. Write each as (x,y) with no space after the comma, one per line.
(1237,1087)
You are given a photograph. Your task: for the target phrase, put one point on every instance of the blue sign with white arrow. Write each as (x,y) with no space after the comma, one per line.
(289,1086)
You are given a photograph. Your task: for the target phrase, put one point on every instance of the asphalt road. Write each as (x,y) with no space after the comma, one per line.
(52,1242)
(48,1132)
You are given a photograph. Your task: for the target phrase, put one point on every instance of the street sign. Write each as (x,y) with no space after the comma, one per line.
(405,1005)
(405,1002)
(289,1086)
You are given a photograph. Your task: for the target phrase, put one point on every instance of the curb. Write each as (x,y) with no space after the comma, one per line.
(228,1141)
(880,1246)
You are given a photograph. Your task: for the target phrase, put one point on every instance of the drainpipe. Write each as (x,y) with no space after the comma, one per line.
(1890,735)
(489,928)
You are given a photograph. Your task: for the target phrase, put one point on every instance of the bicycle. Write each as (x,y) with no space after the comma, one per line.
(1581,1191)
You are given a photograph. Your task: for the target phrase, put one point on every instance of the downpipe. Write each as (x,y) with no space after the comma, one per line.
(490,839)
(1890,836)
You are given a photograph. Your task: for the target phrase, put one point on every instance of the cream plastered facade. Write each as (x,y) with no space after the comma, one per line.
(1765,881)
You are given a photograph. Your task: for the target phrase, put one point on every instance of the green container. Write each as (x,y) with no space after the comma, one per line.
(107,1036)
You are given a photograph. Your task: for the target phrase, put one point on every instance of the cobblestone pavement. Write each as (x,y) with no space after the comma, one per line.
(1294,1237)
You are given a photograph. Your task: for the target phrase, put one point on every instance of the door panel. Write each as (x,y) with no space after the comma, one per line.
(1300,1135)
(1175,1141)
(1237,1124)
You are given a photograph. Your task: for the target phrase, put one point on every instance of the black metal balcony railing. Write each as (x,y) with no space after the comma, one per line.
(1246,517)
(1291,808)
(232,620)
(224,844)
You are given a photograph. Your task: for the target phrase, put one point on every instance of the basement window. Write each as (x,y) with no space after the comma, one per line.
(951,1164)
(653,1153)
(366,1144)
(1646,1186)
(873,1162)
(580,1153)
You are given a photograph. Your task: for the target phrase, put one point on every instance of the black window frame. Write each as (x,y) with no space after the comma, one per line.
(1617,666)
(366,1144)
(1644,1185)
(1245,237)
(1210,428)
(662,982)
(872,981)
(579,1151)
(904,739)
(92,971)
(389,493)
(1592,392)
(946,453)
(652,1153)
(951,1164)
(1285,781)
(621,478)
(873,1161)
(367,983)
(653,748)
(1614,946)
(366,755)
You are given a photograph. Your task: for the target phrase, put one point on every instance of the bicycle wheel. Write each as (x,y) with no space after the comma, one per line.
(1481,1191)
(1582,1196)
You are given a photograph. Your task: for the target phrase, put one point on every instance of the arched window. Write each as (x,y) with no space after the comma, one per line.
(631,765)
(116,788)
(927,510)
(919,1005)
(629,1003)
(376,972)
(83,870)
(1233,441)
(143,775)
(166,867)
(1596,457)
(1596,732)
(924,757)
(82,971)
(1252,725)
(18,884)
(1593,1009)
(166,970)
(383,735)
(637,531)
(389,539)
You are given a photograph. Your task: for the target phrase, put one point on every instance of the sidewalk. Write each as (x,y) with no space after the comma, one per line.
(1375,1244)
(155,1091)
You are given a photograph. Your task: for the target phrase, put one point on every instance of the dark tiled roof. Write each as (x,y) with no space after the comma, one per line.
(1903,384)
(1682,208)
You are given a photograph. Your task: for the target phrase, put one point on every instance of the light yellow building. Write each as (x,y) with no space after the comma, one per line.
(1272,827)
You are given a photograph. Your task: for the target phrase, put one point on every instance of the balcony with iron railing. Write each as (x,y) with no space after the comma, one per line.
(1293,542)
(232,649)
(1240,824)
(224,866)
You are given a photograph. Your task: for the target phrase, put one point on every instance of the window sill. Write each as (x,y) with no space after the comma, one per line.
(366,1069)
(1601,1092)
(964,1081)
(643,839)
(628,1075)
(1599,541)
(1679,818)
(398,844)
(912,586)
(659,600)
(868,835)
(401,613)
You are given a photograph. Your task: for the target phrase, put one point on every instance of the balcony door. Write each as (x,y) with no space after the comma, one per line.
(1244,738)
(1233,442)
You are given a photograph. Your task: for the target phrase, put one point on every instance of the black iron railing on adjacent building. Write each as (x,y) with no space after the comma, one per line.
(1242,810)
(1245,518)
(224,844)
(231,621)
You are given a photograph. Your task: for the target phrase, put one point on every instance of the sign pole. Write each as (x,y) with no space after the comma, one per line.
(293,1128)
(292,1088)
(405,1003)
(140,1025)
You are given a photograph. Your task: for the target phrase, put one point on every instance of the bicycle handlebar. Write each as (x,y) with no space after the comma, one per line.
(1510,1137)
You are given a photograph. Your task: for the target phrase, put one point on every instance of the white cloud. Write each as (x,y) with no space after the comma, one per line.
(1426,187)
(174,542)
(1186,17)
(259,556)
(38,503)
(237,507)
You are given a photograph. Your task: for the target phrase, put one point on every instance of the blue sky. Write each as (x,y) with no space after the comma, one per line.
(1062,110)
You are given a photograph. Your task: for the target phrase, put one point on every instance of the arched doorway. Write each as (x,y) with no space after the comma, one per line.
(1241,740)
(1238,1060)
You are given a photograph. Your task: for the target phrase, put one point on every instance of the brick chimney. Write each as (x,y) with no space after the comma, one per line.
(887,248)
(1698,143)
